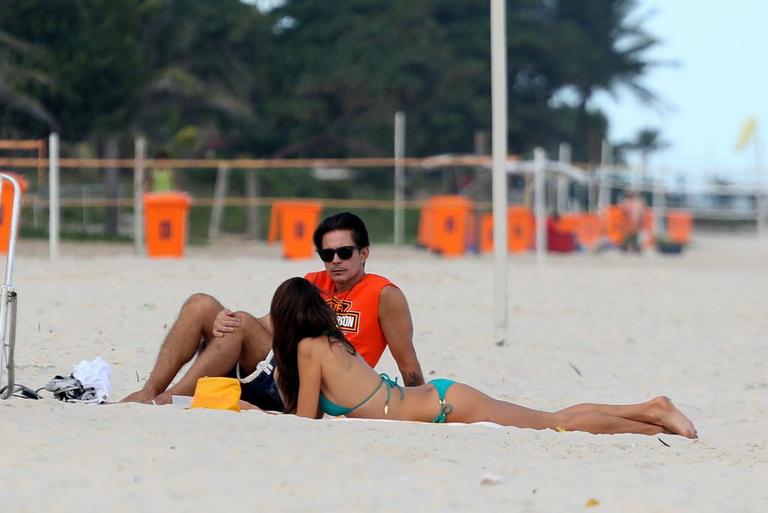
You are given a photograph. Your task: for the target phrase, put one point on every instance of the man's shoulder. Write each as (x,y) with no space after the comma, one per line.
(317,277)
(377,280)
(374,284)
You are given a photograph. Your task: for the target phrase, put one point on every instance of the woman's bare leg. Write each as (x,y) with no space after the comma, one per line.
(659,411)
(471,405)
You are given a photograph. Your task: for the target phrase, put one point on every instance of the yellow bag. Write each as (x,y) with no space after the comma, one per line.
(217,394)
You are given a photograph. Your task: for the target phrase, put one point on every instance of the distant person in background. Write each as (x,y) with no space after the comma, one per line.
(160,179)
(634,210)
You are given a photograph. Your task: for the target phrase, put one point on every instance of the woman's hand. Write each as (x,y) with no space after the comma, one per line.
(225,322)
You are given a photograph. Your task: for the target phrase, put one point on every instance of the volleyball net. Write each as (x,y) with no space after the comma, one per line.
(97,198)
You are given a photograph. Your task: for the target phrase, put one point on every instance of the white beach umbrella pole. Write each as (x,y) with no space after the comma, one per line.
(139,149)
(53,196)
(564,157)
(539,203)
(399,177)
(606,161)
(499,171)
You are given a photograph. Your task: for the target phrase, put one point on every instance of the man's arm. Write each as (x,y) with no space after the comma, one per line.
(397,326)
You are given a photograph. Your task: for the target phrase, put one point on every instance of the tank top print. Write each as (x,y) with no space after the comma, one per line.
(357,311)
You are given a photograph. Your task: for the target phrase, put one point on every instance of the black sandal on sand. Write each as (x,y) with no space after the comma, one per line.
(22,391)
(70,389)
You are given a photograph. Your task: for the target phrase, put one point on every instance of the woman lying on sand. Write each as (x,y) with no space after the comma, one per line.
(318,371)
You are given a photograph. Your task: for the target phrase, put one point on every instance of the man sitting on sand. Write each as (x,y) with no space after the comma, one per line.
(372,313)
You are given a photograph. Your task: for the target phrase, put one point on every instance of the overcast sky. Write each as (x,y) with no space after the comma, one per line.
(721,79)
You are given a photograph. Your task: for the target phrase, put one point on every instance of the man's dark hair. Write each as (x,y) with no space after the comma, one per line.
(342,221)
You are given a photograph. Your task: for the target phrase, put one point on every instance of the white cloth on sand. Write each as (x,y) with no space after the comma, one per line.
(95,374)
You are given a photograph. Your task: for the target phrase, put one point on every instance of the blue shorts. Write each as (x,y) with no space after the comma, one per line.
(259,387)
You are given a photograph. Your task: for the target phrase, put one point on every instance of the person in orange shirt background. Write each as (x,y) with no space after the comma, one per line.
(372,313)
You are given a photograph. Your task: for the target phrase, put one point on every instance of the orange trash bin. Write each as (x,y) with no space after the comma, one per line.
(450,221)
(165,226)
(425,233)
(615,224)
(6,208)
(521,227)
(679,225)
(294,222)
(588,231)
(569,223)
(486,232)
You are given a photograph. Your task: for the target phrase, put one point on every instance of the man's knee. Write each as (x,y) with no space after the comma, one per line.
(201,303)
(250,325)
(257,338)
(244,317)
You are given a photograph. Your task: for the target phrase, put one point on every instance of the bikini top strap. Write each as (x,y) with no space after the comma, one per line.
(381,382)
(390,385)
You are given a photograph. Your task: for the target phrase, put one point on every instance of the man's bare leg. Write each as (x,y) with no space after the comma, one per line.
(248,345)
(180,345)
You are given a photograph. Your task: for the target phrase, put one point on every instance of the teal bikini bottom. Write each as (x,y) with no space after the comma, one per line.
(441,386)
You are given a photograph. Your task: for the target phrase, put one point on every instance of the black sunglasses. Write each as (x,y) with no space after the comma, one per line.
(344,252)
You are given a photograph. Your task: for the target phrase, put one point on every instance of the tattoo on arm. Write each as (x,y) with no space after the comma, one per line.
(413,379)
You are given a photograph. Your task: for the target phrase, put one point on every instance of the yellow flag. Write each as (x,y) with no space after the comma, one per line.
(748,129)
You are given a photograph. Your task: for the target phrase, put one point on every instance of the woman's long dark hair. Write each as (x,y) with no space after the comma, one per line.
(298,312)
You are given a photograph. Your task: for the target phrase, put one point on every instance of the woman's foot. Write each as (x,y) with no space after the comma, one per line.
(667,415)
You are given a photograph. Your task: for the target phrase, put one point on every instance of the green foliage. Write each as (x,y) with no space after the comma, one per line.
(88,49)
(19,73)
(309,78)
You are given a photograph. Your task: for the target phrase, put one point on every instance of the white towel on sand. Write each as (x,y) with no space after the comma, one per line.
(94,374)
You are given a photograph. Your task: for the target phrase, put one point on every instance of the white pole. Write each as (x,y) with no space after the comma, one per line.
(539,203)
(564,158)
(499,176)
(659,209)
(399,176)
(219,193)
(253,191)
(53,196)
(603,198)
(759,192)
(139,152)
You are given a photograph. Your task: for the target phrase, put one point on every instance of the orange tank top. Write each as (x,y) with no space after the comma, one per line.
(357,311)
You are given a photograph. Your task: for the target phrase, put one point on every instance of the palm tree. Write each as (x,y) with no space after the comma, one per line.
(198,70)
(602,50)
(647,141)
(14,75)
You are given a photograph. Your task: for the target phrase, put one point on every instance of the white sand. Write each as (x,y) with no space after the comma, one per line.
(692,327)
